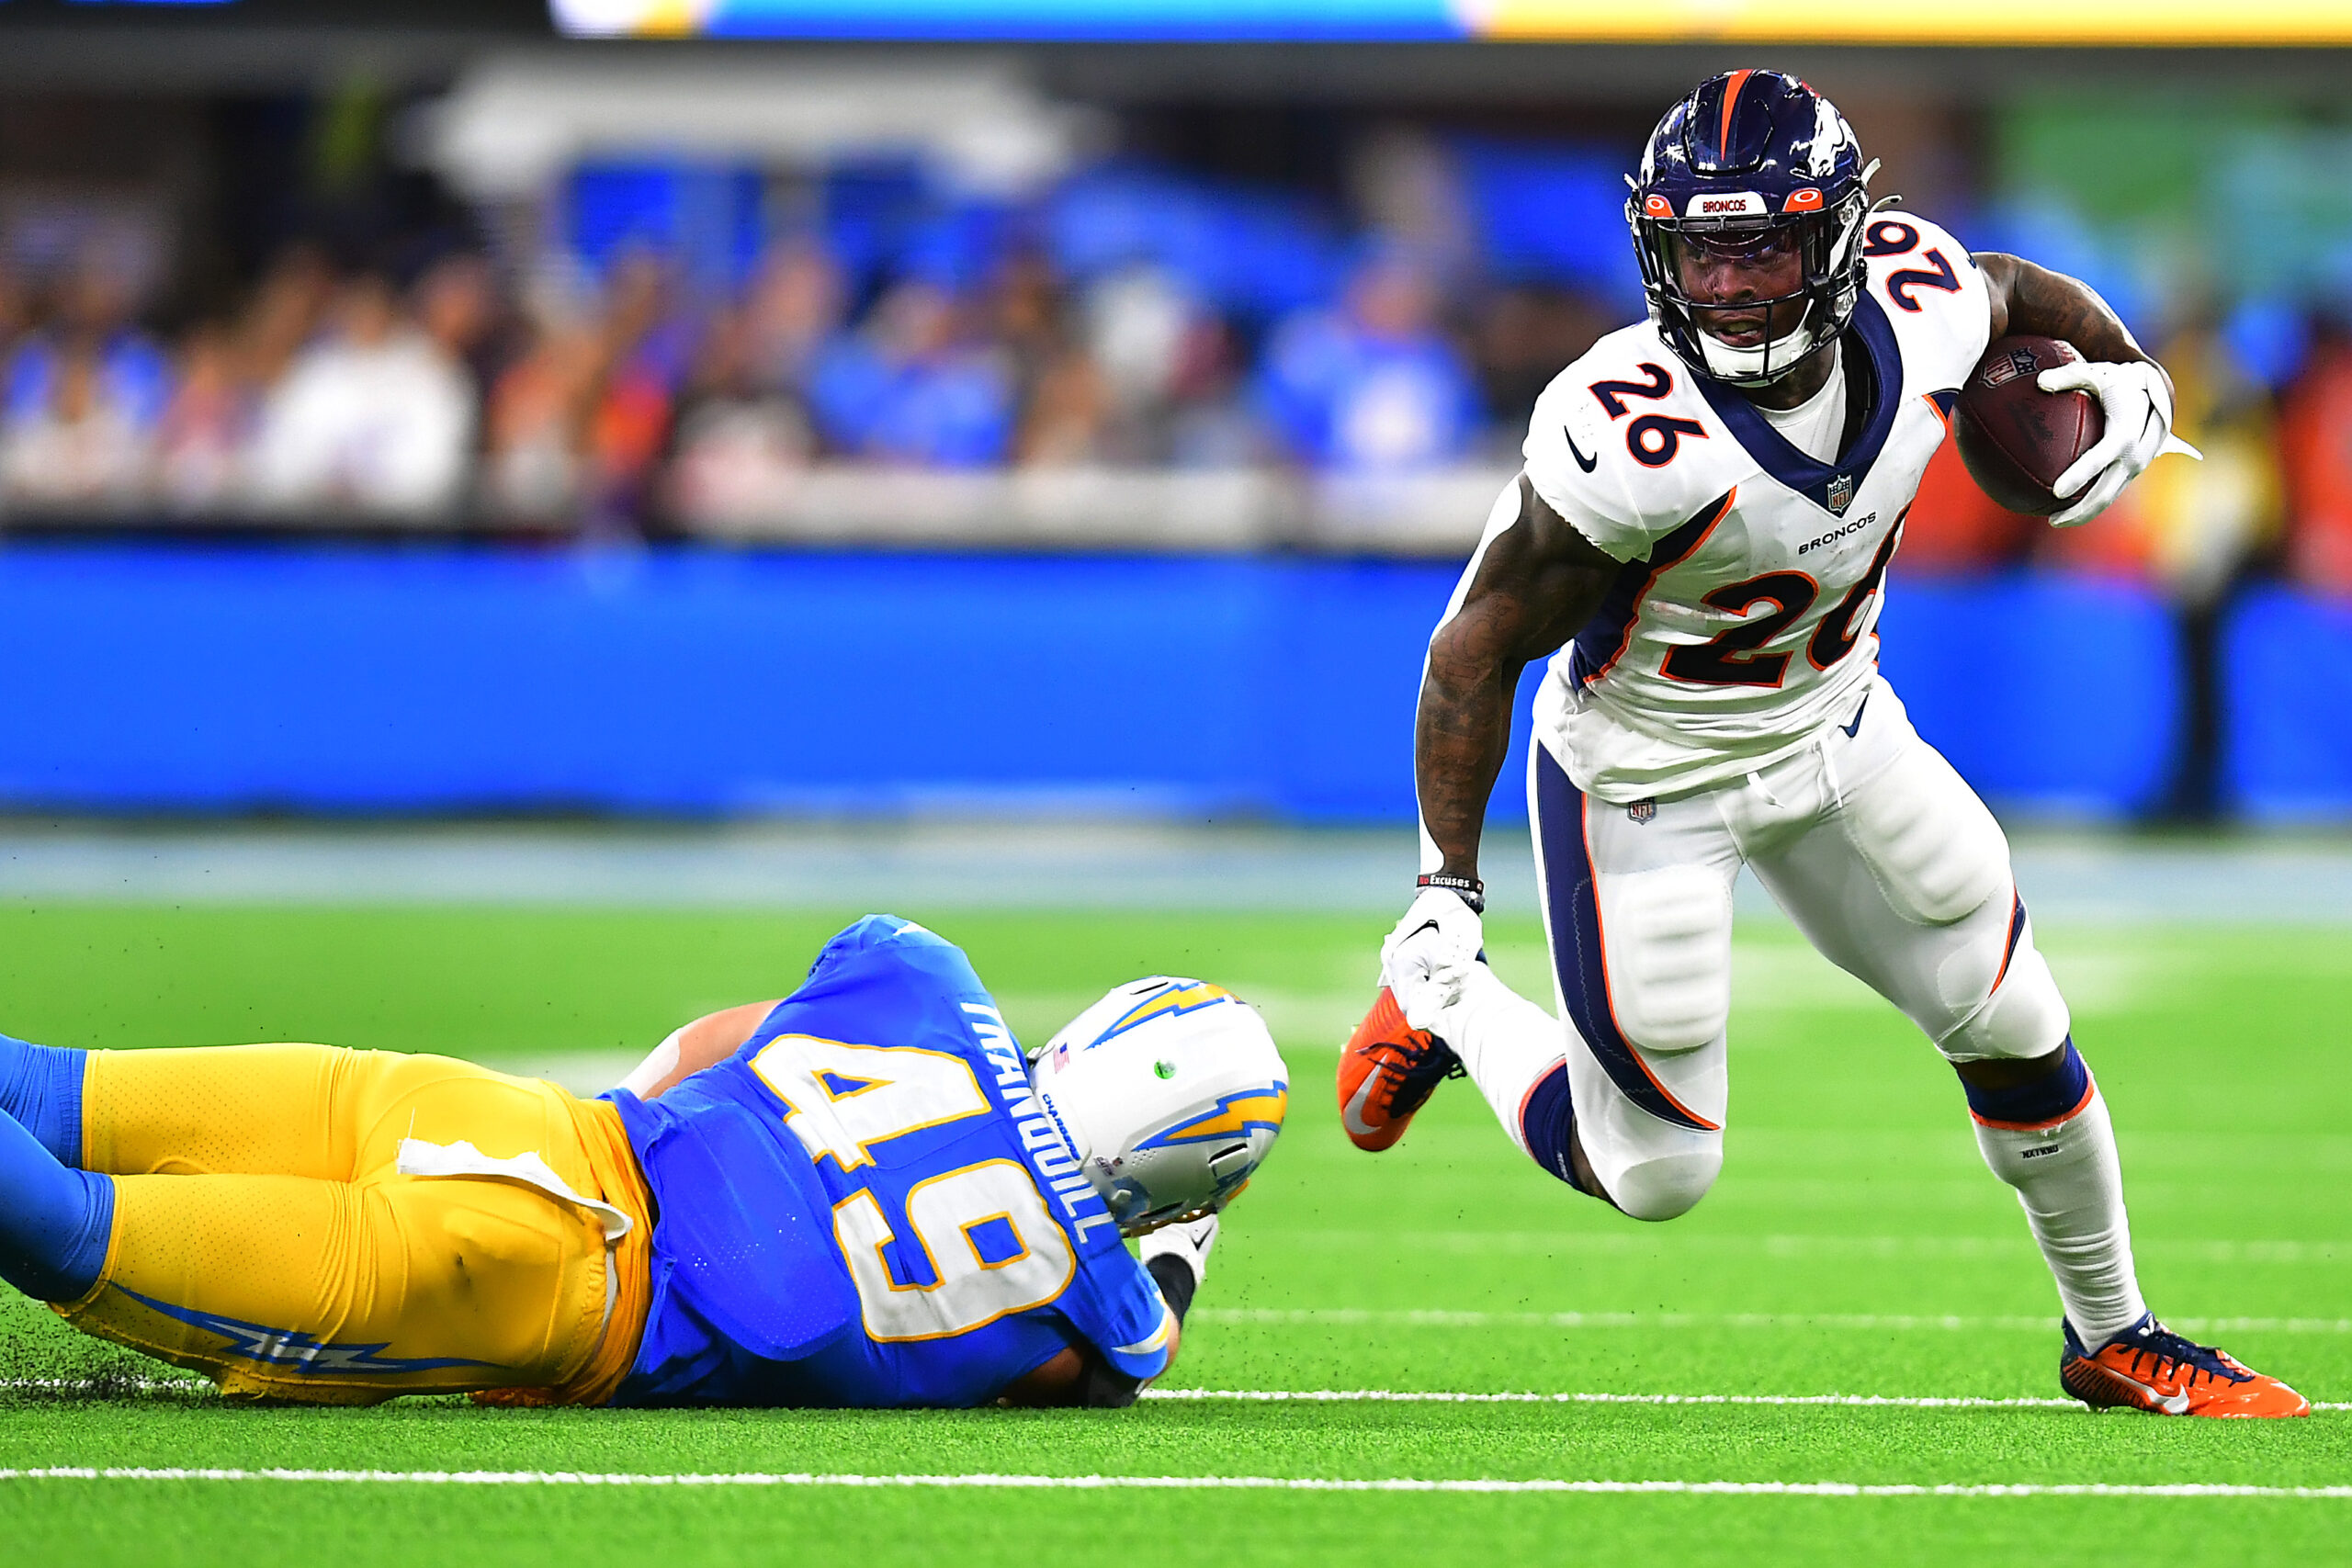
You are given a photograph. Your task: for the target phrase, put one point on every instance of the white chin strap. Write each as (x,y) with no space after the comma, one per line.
(1781,354)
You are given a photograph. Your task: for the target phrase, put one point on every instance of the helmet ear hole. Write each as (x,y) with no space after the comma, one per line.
(1225,1162)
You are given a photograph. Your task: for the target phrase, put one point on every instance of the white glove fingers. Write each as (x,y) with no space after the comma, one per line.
(2077,377)
(2109,447)
(2098,499)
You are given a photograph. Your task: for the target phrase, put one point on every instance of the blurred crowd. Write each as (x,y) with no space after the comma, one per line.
(2272,496)
(631,400)
(623,397)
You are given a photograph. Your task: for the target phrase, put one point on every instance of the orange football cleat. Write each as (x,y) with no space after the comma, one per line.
(2148,1367)
(1388,1071)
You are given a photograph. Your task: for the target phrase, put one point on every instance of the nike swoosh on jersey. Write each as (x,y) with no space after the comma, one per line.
(1851,728)
(1586,464)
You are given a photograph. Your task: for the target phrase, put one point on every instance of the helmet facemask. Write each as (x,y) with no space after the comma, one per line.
(1826,246)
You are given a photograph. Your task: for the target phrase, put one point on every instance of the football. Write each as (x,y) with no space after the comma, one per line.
(2016,438)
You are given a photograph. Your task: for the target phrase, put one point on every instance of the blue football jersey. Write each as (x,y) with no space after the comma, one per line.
(867,1205)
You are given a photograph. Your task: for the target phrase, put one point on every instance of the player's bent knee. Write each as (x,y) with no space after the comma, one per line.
(1935,851)
(1669,958)
(2025,1016)
(1667,1186)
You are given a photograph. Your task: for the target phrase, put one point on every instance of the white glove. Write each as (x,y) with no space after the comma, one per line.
(2137,400)
(1187,1239)
(1431,954)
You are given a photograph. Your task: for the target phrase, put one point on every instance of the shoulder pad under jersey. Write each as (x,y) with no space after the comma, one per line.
(1624,445)
(1934,297)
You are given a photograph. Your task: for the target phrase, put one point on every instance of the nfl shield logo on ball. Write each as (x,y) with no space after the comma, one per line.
(1642,810)
(1841,494)
(2009,367)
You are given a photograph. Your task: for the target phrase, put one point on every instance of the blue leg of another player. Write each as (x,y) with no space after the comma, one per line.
(54,1221)
(41,1087)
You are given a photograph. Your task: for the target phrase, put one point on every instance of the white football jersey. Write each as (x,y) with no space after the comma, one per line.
(1745,615)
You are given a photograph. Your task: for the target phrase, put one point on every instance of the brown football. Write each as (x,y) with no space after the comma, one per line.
(2016,438)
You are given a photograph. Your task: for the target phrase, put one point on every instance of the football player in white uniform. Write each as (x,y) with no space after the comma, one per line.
(1699,542)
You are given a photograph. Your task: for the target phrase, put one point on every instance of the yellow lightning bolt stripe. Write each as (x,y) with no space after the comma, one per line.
(1176,999)
(1233,1117)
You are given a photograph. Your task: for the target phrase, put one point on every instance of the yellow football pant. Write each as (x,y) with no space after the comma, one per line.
(261,1234)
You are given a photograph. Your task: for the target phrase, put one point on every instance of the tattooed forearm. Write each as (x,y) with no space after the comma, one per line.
(2033,300)
(1536,584)
(1462,730)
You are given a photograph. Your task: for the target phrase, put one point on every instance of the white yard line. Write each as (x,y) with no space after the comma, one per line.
(1177,1483)
(1363,1396)
(1428,1318)
(1421,1397)
(1442,1397)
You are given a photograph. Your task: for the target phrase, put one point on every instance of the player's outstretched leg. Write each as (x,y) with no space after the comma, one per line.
(1906,883)
(2047,1133)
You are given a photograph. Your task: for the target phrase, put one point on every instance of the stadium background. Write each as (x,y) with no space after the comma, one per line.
(422,413)
(507,537)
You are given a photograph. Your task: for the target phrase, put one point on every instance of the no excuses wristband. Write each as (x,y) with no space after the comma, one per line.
(1469,889)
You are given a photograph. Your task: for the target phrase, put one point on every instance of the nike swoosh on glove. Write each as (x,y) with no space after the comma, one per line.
(2137,400)
(1428,957)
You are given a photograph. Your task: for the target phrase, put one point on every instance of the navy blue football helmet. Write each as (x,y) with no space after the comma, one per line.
(1751,165)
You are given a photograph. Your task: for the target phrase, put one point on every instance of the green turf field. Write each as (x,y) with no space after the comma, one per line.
(1855,1246)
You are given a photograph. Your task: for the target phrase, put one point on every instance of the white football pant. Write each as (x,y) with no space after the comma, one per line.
(1879,852)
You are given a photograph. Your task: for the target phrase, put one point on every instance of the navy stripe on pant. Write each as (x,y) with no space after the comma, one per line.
(1572,908)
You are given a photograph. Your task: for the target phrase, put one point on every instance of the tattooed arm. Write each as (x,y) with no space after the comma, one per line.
(1531,589)
(2029,299)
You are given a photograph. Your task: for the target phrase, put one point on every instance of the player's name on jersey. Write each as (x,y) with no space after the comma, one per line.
(1047,1145)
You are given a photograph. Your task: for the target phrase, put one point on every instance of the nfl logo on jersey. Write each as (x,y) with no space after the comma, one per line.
(1642,810)
(1841,494)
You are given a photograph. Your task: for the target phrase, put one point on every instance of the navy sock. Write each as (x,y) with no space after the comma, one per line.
(40,1087)
(55,1221)
(1548,1119)
(2050,1098)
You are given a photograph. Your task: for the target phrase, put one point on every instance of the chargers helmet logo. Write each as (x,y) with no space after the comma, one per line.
(1233,1116)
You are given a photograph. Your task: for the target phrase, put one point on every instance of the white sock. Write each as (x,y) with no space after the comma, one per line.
(1506,1043)
(2071,1186)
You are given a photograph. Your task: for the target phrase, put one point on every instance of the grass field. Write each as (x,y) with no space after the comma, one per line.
(1854,1247)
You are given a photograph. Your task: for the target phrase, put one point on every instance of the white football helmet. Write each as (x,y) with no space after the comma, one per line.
(1170,1091)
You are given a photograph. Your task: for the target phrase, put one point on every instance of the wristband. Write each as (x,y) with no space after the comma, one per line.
(1469,889)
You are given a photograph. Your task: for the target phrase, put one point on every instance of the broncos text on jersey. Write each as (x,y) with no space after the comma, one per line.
(1745,616)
